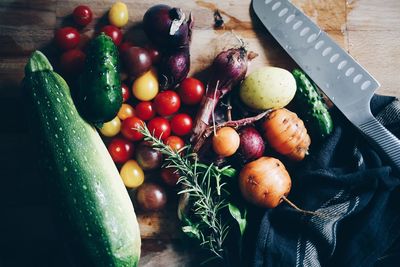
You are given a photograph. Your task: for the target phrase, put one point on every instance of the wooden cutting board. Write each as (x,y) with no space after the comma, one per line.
(368,29)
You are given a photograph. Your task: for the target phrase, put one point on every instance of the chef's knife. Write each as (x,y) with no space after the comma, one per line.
(348,85)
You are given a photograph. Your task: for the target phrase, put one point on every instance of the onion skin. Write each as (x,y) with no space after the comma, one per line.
(174,68)
(264,182)
(251,144)
(157,22)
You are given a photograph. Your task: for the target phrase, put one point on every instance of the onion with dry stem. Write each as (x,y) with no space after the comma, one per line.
(265,182)
(285,132)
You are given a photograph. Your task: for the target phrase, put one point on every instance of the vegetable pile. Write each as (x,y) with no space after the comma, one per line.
(219,147)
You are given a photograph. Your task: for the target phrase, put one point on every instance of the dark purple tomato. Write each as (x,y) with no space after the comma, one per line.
(151,197)
(136,61)
(170,176)
(147,157)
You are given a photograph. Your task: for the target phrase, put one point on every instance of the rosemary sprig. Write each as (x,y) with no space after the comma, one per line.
(202,183)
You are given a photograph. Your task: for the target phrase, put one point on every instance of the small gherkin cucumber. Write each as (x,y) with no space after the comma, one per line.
(99,95)
(312,107)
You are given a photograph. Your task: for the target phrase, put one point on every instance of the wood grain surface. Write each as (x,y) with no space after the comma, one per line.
(368,29)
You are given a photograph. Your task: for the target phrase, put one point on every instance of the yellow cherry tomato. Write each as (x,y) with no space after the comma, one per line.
(118,14)
(111,128)
(125,112)
(132,175)
(145,88)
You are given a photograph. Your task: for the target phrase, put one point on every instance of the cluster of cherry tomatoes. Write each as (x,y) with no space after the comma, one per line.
(165,113)
(163,116)
(69,41)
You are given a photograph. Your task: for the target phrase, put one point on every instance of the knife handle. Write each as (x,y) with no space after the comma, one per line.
(382,140)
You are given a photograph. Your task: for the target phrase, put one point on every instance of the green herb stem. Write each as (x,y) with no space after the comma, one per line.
(203,185)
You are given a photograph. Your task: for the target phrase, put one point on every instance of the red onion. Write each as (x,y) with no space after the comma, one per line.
(229,68)
(251,144)
(167,27)
(174,68)
(171,32)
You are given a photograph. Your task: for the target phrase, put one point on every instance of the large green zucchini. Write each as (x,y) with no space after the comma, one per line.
(86,181)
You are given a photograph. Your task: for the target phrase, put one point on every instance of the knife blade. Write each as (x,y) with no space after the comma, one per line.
(347,84)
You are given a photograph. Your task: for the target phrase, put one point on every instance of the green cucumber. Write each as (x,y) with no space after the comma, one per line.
(84,178)
(99,95)
(311,107)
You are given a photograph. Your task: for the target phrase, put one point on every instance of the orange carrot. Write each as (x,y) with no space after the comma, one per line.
(286,133)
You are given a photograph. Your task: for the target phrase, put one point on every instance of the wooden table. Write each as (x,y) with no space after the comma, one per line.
(368,29)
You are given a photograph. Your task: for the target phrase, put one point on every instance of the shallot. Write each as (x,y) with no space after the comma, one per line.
(228,69)
(251,144)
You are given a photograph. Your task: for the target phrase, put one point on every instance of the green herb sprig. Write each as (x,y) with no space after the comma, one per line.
(205,189)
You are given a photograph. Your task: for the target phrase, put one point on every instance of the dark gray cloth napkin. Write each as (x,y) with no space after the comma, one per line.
(347,180)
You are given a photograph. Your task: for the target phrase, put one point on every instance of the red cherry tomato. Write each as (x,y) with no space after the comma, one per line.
(145,110)
(114,32)
(175,142)
(67,38)
(159,127)
(167,103)
(191,91)
(124,46)
(170,176)
(181,124)
(82,15)
(154,54)
(72,61)
(126,94)
(121,150)
(129,126)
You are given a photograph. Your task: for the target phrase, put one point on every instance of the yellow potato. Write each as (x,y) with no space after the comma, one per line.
(268,87)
